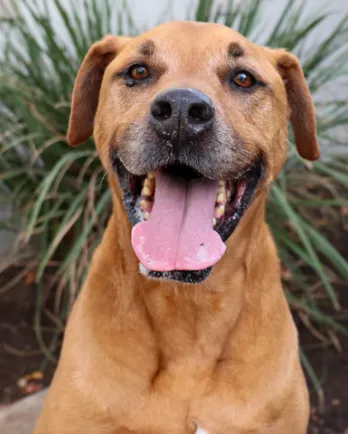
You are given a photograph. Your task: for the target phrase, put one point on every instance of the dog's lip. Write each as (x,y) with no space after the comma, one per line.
(178,165)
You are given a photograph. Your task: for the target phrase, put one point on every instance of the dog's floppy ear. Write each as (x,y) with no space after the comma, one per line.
(87,87)
(302,115)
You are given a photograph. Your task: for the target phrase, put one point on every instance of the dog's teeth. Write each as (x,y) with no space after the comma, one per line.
(146,191)
(214,222)
(145,205)
(221,197)
(148,187)
(149,183)
(219,211)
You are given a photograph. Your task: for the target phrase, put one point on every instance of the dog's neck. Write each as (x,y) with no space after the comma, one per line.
(192,321)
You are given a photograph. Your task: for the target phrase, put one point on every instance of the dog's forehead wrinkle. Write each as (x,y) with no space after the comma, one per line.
(235,50)
(147,47)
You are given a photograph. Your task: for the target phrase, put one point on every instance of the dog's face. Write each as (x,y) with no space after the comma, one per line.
(192,118)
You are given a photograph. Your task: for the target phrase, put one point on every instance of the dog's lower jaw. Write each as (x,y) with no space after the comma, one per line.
(188,277)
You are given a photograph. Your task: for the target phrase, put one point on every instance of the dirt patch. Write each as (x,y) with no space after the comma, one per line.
(20,354)
(331,366)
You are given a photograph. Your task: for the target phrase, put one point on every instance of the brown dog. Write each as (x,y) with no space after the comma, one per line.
(190,121)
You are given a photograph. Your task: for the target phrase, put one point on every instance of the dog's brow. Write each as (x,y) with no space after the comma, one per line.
(235,50)
(147,48)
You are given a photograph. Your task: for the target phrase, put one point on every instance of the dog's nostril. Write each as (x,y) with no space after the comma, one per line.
(162,110)
(200,113)
(195,113)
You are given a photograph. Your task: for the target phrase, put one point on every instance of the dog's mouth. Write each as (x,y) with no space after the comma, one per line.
(181,219)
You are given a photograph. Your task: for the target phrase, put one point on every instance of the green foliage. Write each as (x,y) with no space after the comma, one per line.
(61,194)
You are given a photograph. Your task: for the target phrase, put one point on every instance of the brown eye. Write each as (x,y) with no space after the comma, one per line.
(244,79)
(139,72)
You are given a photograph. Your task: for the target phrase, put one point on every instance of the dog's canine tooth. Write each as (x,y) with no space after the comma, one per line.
(146,215)
(214,222)
(221,184)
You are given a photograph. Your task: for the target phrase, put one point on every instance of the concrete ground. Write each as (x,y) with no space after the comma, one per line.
(21,417)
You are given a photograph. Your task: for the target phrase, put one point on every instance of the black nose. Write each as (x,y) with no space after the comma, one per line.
(181,114)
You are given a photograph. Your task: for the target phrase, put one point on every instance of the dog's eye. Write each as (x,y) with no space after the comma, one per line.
(139,72)
(244,79)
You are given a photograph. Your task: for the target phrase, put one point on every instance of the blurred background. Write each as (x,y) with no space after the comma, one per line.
(55,202)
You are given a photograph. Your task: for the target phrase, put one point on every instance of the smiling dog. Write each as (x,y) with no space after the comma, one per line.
(191,125)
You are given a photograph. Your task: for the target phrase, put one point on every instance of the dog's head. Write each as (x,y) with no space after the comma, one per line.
(193,120)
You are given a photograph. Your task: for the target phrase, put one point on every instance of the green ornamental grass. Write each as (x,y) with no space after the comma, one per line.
(59,196)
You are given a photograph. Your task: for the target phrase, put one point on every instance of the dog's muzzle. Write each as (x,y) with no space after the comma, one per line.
(181,215)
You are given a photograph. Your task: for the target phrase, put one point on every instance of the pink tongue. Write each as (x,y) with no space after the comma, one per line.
(179,234)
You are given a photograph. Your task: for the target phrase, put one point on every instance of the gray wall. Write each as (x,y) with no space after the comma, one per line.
(147,12)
